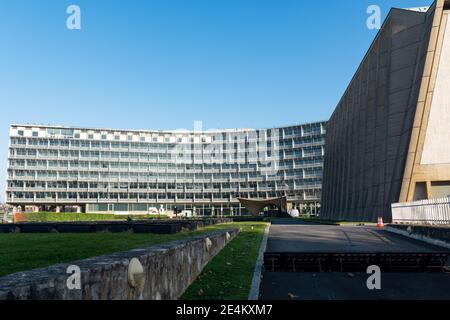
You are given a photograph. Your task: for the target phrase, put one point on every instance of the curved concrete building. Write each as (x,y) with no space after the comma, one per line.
(388,140)
(200,172)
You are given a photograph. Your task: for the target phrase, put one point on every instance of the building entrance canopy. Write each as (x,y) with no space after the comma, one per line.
(254,206)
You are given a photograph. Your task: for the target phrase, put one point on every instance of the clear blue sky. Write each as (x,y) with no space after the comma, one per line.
(162,64)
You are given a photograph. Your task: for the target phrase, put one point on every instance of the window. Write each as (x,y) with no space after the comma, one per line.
(91,136)
(35,133)
(67,133)
(104,137)
(20,133)
(77,136)
(116,138)
(135,146)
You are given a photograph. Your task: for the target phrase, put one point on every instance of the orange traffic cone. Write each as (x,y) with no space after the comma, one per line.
(380,223)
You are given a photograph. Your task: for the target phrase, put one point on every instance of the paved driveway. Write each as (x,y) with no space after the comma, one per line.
(301,237)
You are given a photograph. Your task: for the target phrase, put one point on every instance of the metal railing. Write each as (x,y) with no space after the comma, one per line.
(433,212)
(355,262)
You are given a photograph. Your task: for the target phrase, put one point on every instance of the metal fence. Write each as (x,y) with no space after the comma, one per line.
(434,212)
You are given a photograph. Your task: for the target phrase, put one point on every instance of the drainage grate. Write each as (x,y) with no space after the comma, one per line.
(355,262)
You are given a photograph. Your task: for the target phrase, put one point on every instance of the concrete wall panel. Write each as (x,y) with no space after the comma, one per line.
(437,142)
(369,133)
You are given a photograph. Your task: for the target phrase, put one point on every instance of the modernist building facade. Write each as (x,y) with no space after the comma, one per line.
(388,140)
(201,172)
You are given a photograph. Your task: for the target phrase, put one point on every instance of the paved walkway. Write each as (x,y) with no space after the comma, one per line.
(295,236)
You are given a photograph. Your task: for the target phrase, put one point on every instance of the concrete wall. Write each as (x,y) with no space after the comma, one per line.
(437,236)
(440,189)
(437,142)
(167,271)
(369,133)
(426,162)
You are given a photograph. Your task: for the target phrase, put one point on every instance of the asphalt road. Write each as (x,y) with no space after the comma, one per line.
(301,237)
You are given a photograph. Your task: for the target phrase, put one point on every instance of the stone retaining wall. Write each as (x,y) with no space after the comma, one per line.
(160,272)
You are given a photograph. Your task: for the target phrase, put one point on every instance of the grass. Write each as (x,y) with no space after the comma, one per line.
(25,251)
(229,275)
(72,217)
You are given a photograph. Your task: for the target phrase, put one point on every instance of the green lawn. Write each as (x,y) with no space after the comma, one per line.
(24,251)
(229,275)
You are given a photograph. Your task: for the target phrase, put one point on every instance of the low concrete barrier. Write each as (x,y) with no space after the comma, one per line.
(249,219)
(159,272)
(439,236)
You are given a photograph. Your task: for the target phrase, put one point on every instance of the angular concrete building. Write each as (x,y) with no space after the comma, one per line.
(388,140)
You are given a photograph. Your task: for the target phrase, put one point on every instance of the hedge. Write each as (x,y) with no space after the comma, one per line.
(65,216)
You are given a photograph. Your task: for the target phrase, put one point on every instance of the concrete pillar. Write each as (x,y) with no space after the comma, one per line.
(429,192)
(58,209)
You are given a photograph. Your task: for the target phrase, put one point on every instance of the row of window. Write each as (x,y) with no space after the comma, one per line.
(177,155)
(155,171)
(292,142)
(149,176)
(21,163)
(151,196)
(153,167)
(316,128)
(159,186)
